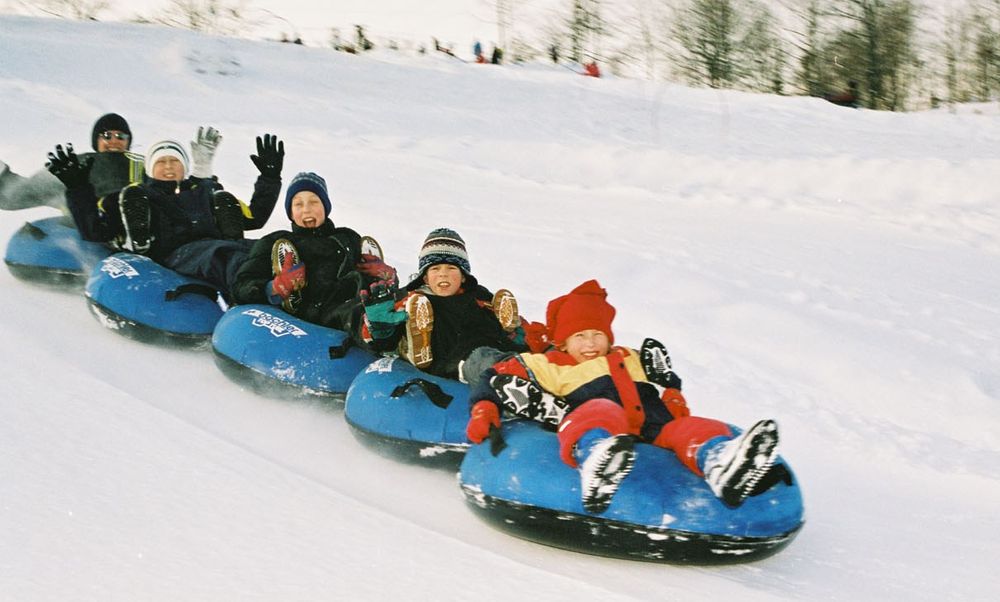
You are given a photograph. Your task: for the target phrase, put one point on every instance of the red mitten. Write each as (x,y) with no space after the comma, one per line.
(373,267)
(291,278)
(484,414)
(675,402)
(536,336)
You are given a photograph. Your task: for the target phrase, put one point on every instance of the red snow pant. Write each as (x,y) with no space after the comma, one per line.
(683,435)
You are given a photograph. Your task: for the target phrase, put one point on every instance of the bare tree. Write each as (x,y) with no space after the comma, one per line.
(641,27)
(223,17)
(586,28)
(85,10)
(728,43)
(762,55)
(809,41)
(985,26)
(505,19)
(877,48)
(707,32)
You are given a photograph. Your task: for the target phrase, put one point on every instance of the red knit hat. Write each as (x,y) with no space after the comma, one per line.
(584,308)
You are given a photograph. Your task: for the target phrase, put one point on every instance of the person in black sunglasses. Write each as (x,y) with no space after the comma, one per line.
(178,215)
(111,134)
(113,167)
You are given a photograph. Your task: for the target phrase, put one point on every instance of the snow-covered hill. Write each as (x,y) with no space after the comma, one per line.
(831,268)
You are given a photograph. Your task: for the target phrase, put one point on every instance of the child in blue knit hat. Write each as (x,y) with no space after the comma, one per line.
(446,323)
(315,270)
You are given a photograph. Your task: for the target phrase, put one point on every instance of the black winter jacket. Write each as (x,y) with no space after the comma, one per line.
(462,323)
(182,212)
(109,173)
(330,255)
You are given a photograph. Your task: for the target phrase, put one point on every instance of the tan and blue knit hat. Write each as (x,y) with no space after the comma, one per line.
(443,245)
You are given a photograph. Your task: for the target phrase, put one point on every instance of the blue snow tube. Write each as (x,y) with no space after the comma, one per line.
(276,353)
(408,414)
(146,301)
(50,251)
(662,512)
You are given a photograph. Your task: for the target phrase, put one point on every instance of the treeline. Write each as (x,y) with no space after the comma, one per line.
(894,54)
(886,54)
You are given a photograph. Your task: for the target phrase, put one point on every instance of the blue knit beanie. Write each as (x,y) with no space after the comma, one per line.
(444,245)
(314,183)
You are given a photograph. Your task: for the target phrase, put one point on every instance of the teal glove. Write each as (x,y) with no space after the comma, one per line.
(518,337)
(383,319)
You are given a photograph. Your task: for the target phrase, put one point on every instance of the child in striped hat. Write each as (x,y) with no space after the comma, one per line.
(447,323)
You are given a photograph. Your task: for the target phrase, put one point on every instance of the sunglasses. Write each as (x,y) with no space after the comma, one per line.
(108,135)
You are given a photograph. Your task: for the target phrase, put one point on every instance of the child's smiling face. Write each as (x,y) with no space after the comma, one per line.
(587,345)
(307,209)
(444,279)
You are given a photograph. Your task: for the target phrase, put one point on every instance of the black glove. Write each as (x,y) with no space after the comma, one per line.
(66,165)
(270,156)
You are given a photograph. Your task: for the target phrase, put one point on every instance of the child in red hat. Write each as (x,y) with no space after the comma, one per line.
(603,398)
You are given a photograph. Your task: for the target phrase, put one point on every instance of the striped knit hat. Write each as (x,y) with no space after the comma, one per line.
(167,148)
(443,245)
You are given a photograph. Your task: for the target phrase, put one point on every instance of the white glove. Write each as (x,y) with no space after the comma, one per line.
(203,150)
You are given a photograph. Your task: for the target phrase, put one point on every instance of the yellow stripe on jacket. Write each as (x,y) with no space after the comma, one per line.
(563,380)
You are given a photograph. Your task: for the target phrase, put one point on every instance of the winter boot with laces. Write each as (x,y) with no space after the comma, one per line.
(133,204)
(370,246)
(733,468)
(228,215)
(656,364)
(607,461)
(280,251)
(415,347)
(504,307)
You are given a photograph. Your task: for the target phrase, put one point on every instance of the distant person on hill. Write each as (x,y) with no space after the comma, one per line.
(477,51)
(114,167)
(497,57)
(315,270)
(604,398)
(592,69)
(850,98)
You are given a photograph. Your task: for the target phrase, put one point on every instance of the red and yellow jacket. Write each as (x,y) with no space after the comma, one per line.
(618,376)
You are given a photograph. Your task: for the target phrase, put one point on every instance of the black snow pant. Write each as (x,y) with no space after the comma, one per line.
(214,261)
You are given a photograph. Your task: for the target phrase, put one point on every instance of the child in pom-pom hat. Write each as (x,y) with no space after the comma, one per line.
(445,322)
(603,398)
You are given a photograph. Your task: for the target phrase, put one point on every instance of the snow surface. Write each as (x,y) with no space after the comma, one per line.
(834,269)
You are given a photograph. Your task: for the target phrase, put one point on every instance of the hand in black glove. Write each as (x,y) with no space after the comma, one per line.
(270,156)
(66,165)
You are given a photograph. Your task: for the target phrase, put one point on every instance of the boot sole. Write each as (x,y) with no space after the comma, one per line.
(281,247)
(419,325)
(504,307)
(610,472)
(754,458)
